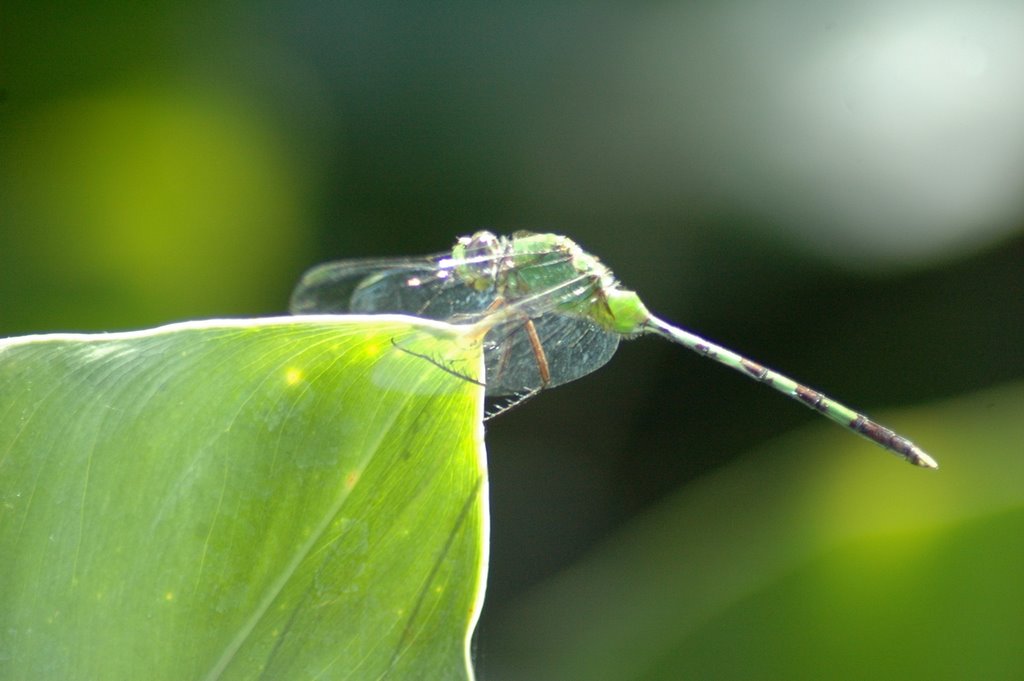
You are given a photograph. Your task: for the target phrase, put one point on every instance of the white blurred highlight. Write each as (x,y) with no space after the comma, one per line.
(875,134)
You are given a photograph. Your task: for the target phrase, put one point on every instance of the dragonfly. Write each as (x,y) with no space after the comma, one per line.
(552,313)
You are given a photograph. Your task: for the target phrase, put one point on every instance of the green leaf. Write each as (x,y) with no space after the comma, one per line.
(814,557)
(289,498)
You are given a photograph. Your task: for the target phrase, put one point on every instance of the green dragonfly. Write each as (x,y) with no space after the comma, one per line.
(552,313)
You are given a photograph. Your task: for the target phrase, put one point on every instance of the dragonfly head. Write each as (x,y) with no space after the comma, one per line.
(478,258)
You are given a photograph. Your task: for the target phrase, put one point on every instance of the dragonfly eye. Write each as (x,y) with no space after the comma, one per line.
(479,259)
(482,238)
(481,247)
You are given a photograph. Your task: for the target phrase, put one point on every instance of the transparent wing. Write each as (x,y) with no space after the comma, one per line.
(425,287)
(431,287)
(434,287)
(573,346)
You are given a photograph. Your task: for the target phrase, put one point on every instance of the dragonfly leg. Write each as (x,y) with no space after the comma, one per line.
(535,345)
(538,353)
(440,365)
(513,401)
(542,367)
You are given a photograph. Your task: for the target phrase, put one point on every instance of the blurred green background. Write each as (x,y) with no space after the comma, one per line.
(835,189)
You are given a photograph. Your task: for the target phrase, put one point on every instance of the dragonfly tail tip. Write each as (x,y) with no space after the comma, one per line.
(919,458)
